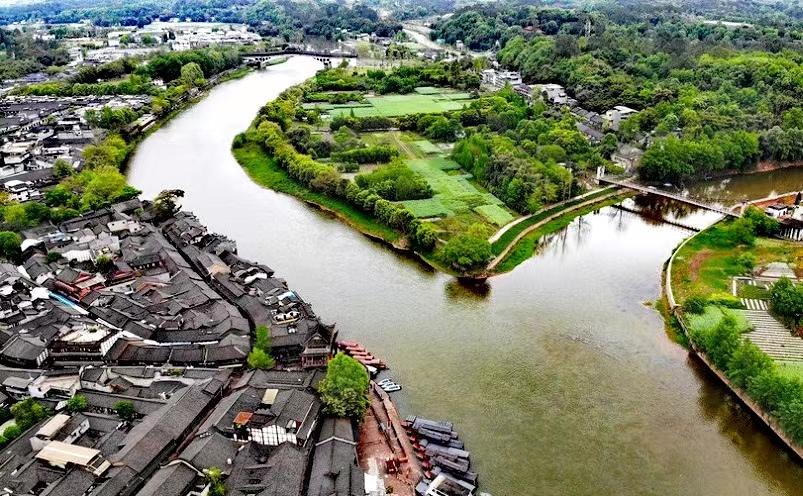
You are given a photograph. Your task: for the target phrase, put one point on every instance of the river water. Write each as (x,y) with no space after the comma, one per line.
(559,377)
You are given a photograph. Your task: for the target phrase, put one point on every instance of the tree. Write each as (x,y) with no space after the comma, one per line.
(28,412)
(16,217)
(793,118)
(467,251)
(12,432)
(786,300)
(125,410)
(192,75)
(165,205)
(344,390)
(723,342)
(609,145)
(10,245)
(259,357)
(104,264)
(110,152)
(763,224)
(77,403)
(791,417)
(214,477)
(62,168)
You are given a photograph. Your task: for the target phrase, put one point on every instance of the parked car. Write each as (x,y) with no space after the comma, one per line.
(284,318)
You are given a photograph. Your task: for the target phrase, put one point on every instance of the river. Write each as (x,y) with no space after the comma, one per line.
(558,375)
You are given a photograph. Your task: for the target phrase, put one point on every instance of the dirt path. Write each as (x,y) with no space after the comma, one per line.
(406,148)
(502,230)
(499,258)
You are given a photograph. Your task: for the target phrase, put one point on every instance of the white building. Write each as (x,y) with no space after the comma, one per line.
(498,79)
(615,116)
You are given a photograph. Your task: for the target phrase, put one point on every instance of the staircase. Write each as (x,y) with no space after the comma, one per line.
(772,337)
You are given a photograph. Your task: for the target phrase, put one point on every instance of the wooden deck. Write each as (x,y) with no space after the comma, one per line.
(383,438)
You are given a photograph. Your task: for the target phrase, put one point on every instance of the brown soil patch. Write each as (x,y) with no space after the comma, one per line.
(697,261)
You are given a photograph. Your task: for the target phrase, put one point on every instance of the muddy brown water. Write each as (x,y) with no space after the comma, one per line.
(557,375)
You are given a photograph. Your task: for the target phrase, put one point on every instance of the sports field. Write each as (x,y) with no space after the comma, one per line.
(454,193)
(396,105)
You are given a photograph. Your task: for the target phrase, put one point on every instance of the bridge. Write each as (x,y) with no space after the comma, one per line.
(324,56)
(666,194)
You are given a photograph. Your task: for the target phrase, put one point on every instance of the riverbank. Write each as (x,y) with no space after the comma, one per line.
(229,75)
(560,373)
(264,171)
(518,243)
(700,291)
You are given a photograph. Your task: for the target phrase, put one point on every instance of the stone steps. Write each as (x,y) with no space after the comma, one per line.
(771,336)
(751,304)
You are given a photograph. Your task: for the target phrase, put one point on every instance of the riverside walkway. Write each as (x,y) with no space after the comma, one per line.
(502,230)
(659,192)
(499,258)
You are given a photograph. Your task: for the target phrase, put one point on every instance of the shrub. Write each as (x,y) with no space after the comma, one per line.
(695,304)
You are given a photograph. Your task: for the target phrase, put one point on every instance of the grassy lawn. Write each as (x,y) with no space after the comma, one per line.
(427,208)
(427,147)
(791,369)
(397,105)
(706,264)
(494,214)
(752,292)
(264,171)
(454,193)
(527,246)
(708,320)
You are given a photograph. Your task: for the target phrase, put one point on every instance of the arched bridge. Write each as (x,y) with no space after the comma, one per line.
(324,56)
(683,199)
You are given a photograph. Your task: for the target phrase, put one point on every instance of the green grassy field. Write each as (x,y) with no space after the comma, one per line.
(494,214)
(428,207)
(453,193)
(396,105)
(706,264)
(708,320)
(427,147)
(791,369)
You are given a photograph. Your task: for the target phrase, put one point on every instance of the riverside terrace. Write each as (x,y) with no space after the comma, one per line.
(262,429)
(113,287)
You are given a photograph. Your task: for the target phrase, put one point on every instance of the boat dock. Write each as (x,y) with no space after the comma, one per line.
(384,450)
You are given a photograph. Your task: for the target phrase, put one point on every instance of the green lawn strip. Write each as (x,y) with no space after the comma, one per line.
(494,214)
(500,244)
(428,207)
(427,90)
(427,147)
(397,105)
(791,369)
(526,247)
(712,316)
(706,264)
(753,292)
(264,171)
